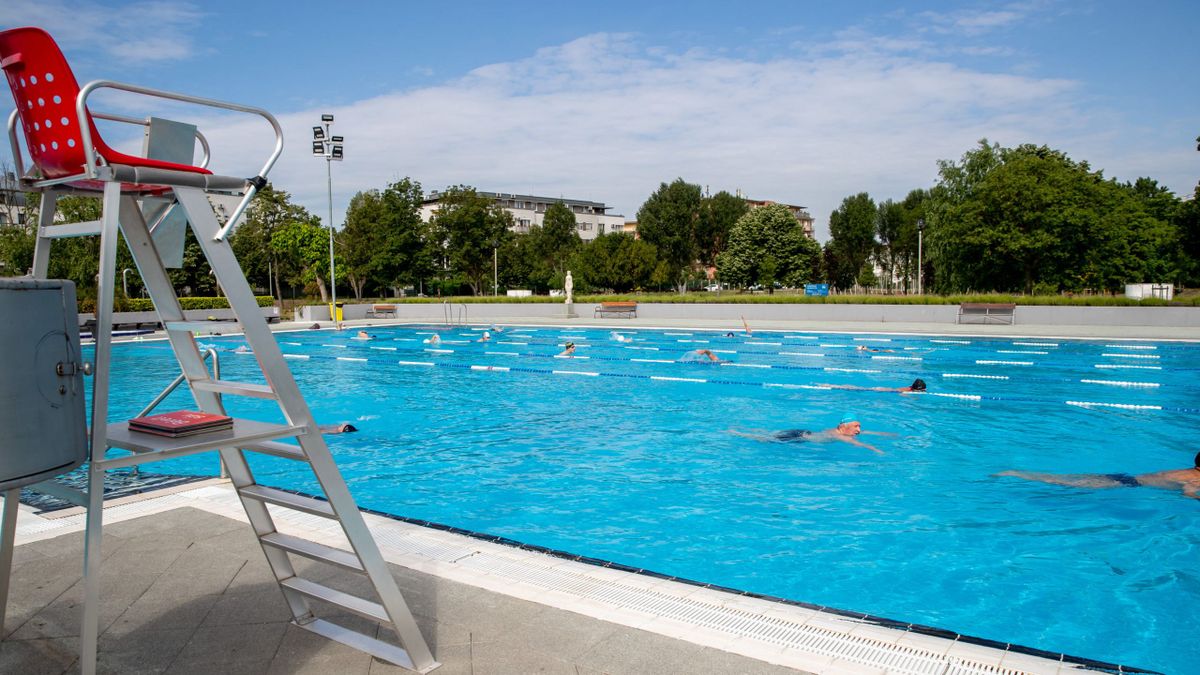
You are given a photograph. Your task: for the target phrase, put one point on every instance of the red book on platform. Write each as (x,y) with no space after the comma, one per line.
(180,423)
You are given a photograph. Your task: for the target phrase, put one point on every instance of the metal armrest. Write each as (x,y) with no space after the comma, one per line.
(254,183)
(18,164)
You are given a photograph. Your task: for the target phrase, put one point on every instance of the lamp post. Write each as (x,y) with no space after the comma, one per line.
(495,267)
(920,270)
(124,282)
(329,147)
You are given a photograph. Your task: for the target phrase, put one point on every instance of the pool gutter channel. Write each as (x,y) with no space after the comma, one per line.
(776,630)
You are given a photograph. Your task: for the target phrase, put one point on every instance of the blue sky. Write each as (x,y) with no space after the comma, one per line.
(800,102)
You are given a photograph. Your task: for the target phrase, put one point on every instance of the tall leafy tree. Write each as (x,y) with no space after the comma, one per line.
(616,261)
(361,239)
(551,246)
(302,248)
(718,214)
(667,220)
(768,245)
(469,226)
(251,241)
(852,237)
(406,252)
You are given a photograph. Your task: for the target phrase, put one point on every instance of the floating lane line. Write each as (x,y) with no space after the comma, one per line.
(1130,347)
(504,353)
(850,370)
(976,377)
(499,369)
(767,344)
(1121,366)
(952,342)
(698,342)
(335,346)
(831,346)
(351,358)
(1122,383)
(1036,344)
(652,360)
(678,334)
(744,365)
(872,339)
(296,356)
(897,358)
(1131,356)
(816,354)
(429,364)
(800,337)
(647,349)
(723,351)
(384,349)
(519,344)
(985,362)
(294,344)
(664,378)
(1123,406)
(438,351)
(776,385)
(964,397)
(576,372)
(1019,351)
(571,356)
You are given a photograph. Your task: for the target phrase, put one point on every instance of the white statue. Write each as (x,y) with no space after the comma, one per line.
(569,287)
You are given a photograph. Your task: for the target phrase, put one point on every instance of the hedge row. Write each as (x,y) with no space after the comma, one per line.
(88,305)
(782,299)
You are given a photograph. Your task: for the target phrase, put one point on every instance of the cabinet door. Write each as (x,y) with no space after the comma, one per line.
(42,424)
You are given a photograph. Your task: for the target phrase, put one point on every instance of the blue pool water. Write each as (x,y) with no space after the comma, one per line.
(647,472)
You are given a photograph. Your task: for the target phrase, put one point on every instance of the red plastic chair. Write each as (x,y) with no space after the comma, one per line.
(61,136)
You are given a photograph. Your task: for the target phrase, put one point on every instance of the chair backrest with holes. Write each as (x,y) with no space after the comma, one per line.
(44,89)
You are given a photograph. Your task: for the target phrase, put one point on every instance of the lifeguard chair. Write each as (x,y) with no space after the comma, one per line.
(141,195)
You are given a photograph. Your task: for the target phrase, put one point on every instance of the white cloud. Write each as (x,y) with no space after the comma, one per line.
(142,31)
(606,118)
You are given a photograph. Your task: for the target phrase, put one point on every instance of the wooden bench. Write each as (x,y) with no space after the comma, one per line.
(381,310)
(626,309)
(987,312)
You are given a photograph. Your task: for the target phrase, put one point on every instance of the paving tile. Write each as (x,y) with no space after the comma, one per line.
(304,653)
(230,649)
(62,616)
(455,660)
(164,611)
(241,605)
(141,650)
(49,656)
(633,651)
(505,658)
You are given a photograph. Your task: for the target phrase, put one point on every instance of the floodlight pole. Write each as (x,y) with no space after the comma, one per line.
(329,147)
(920,232)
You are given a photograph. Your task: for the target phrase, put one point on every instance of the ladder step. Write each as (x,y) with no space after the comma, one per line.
(277,449)
(203,326)
(313,551)
(351,603)
(62,231)
(364,643)
(309,505)
(235,388)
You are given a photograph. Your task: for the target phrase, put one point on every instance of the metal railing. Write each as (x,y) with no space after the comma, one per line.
(454,314)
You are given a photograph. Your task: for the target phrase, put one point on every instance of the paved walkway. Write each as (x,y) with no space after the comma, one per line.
(188,591)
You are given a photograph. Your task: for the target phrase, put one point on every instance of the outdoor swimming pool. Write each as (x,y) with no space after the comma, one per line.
(625,454)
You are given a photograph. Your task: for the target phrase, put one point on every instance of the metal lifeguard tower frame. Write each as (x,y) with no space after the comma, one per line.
(139,194)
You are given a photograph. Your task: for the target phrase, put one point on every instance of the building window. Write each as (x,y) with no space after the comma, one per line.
(600,228)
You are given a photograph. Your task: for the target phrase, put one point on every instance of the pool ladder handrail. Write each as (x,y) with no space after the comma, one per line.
(448,313)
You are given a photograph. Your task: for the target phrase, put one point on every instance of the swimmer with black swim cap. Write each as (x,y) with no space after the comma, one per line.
(917,386)
(1186,481)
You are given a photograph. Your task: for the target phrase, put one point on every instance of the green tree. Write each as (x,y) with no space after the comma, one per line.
(551,245)
(469,226)
(302,249)
(718,214)
(360,240)
(667,220)
(407,249)
(251,241)
(615,261)
(767,245)
(852,237)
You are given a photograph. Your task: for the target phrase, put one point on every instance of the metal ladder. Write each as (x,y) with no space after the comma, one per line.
(123,214)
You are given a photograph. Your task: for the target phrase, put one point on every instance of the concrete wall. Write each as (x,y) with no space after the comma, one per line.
(1024,315)
(147,318)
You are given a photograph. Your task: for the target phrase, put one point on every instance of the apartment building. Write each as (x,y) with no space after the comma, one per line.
(801,213)
(591,218)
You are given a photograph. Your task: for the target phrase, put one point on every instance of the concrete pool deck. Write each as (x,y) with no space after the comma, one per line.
(185,589)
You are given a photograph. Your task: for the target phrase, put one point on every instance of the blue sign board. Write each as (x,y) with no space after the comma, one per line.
(816,289)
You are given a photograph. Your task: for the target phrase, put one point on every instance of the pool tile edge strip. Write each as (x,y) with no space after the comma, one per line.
(869,619)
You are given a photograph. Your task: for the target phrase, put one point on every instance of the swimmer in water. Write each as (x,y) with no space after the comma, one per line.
(433,340)
(485,337)
(847,431)
(700,355)
(864,348)
(918,385)
(620,338)
(340,428)
(1186,481)
(363,335)
(569,351)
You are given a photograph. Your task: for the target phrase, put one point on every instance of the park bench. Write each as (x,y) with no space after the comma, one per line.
(986,312)
(381,310)
(626,309)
